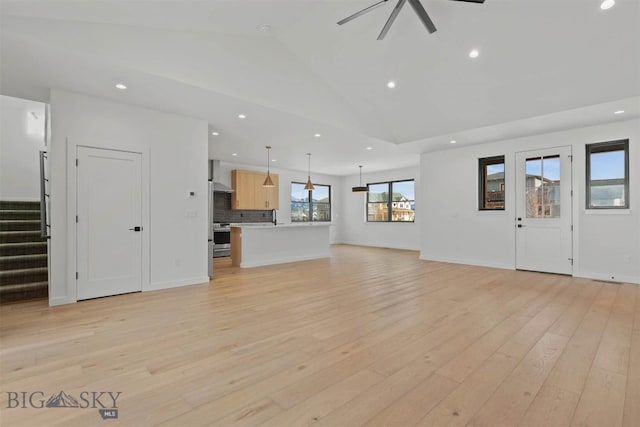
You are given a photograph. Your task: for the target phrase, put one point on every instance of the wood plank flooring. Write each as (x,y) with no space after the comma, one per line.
(368,337)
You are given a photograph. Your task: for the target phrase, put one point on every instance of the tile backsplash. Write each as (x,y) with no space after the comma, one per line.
(222,211)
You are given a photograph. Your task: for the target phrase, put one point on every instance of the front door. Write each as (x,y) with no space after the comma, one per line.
(109,223)
(543,212)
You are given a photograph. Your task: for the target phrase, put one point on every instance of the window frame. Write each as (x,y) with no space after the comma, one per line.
(604,147)
(310,203)
(389,201)
(483,162)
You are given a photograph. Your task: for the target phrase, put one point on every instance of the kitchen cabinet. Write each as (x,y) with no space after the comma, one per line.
(248,192)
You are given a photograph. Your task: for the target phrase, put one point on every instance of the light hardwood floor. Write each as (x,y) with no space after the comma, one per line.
(369,337)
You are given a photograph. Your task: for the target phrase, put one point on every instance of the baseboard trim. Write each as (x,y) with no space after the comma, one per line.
(61,301)
(284,260)
(468,262)
(156,286)
(606,277)
(402,248)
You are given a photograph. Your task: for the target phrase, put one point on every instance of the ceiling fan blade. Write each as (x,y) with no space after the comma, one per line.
(471,1)
(392,18)
(423,15)
(362,12)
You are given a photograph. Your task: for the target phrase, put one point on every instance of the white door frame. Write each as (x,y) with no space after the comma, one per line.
(72,209)
(567,177)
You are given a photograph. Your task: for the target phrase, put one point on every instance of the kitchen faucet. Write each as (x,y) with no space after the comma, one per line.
(274,216)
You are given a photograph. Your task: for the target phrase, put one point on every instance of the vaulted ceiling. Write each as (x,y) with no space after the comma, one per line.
(543,65)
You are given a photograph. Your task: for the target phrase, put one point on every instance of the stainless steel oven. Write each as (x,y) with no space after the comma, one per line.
(221,240)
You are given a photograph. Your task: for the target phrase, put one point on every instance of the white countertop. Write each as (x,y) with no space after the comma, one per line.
(280,225)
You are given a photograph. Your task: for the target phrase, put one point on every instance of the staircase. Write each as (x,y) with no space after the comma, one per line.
(23,253)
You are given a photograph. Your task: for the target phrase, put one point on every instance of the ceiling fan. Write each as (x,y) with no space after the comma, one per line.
(417,7)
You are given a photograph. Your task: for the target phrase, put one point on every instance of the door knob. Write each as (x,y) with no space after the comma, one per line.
(136,228)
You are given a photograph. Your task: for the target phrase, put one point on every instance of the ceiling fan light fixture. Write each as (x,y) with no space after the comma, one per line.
(360,188)
(417,6)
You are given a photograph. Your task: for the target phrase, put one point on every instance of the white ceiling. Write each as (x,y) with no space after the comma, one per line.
(208,59)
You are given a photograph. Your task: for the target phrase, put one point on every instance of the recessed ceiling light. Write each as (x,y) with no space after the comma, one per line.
(273,160)
(215,133)
(265,28)
(242,116)
(317,135)
(619,112)
(474,53)
(369,148)
(453,141)
(234,154)
(391,84)
(121,86)
(607,4)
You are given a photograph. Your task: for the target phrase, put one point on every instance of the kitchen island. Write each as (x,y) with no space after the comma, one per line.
(254,245)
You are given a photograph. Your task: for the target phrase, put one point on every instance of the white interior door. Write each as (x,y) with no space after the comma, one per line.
(544,211)
(109,246)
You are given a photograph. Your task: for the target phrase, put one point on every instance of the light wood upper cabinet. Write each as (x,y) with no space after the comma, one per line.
(250,194)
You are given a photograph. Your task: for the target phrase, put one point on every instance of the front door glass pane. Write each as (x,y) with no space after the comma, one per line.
(543,187)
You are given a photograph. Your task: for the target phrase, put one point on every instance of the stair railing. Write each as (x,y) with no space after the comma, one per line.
(44,197)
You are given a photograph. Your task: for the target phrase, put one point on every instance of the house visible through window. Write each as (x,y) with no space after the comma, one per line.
(314,205)
(391,201)
(608,175)
(491,180)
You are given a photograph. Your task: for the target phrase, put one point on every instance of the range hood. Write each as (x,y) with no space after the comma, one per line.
(214,176)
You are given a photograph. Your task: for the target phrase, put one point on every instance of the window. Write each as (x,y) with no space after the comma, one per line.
(542,192)
(491,183)
(314,205)
(391,201)
(608,175)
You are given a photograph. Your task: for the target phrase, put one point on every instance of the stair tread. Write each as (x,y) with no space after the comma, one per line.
(23,286)
(44,242)
(24,271)
(22,257)
(15,232)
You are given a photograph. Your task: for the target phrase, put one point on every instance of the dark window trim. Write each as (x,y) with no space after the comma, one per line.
(482,164)
(310,202)
(605,147)
(390,201)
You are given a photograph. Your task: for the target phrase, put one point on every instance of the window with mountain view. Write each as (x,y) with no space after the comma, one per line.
(392,201)
(491,183)
(314,205)
(608,175)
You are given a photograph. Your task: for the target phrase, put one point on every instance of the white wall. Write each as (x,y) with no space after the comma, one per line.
(19,149)
(606,243)
(174,149)
(354,229)
(286,177)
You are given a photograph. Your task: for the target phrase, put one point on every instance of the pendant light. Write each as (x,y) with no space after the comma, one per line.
(268,182)
(309,185)
(361,188)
